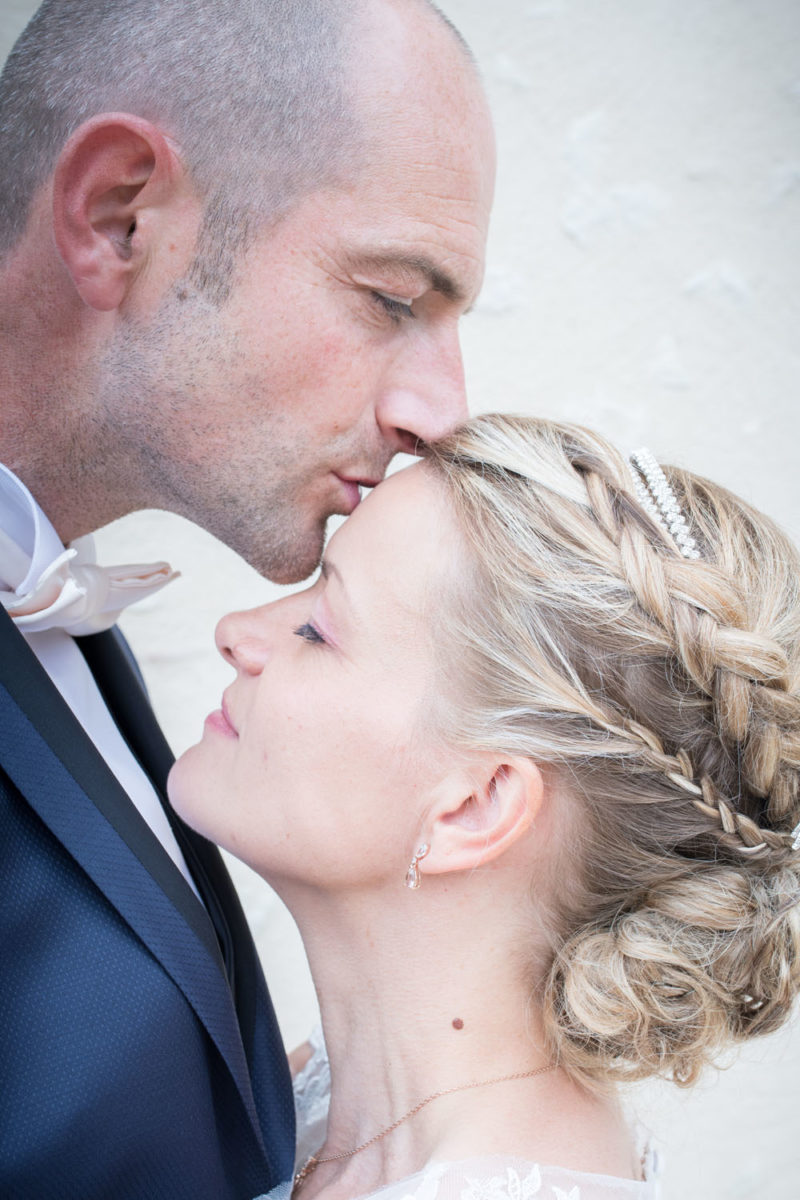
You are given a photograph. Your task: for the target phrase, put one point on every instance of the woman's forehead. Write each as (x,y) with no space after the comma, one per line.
(400,540)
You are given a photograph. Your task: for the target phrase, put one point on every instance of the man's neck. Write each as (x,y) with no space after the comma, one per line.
(49,350)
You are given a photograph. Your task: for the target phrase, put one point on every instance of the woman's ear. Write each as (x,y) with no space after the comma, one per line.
(113,168)
(465,830)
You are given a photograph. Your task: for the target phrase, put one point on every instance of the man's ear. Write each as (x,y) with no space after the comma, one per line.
(464,831)
(113,169)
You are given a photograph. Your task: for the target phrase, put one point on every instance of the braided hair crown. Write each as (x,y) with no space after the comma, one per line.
(662,691)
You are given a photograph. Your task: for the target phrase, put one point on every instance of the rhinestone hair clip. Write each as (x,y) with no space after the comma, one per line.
(658,499)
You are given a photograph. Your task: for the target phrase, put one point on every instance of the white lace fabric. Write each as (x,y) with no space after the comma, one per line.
(491,1177)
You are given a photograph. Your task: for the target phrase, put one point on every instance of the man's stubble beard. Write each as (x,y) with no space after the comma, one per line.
(162,449)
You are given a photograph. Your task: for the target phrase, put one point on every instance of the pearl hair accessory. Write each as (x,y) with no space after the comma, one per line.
(658,499)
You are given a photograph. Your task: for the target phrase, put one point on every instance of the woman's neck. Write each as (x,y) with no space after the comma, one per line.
(418,995)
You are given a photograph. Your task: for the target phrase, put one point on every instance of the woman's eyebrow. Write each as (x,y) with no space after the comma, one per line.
(328,570)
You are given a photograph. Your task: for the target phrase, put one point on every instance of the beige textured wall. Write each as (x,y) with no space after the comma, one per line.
(643,278)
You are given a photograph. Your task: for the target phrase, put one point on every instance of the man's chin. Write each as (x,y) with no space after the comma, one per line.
(288,575)
(289,563)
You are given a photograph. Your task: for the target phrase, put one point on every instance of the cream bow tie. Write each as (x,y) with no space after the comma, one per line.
(75,594)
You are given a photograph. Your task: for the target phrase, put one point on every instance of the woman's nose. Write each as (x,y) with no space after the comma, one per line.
(241,640)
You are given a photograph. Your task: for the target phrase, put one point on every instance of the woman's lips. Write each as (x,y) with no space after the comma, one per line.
(219,722)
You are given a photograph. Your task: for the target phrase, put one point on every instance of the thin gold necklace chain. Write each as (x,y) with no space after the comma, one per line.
(313,1162)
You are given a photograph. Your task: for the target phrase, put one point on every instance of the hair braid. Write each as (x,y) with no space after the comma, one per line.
(746,674)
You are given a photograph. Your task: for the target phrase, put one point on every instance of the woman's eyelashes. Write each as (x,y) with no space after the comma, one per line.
(397,309)
(309,633)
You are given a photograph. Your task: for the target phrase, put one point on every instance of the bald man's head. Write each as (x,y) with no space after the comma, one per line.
(258,95)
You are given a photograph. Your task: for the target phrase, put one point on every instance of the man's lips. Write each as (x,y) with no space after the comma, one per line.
(353,489)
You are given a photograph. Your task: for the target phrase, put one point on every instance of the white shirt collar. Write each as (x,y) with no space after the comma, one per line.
(27,539)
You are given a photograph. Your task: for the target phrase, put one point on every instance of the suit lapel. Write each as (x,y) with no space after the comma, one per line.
(116,674)
(48,756)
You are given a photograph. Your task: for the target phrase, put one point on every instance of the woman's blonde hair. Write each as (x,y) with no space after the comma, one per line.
(664,694)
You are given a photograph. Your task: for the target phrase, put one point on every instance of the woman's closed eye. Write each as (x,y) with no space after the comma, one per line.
(309,633)
(397,308)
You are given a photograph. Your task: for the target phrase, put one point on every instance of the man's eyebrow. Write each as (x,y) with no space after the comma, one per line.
(439,280)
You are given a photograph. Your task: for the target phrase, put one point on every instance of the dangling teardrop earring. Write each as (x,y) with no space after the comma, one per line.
(412,874)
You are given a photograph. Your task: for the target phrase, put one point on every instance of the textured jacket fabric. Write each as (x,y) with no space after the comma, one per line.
(139,1053)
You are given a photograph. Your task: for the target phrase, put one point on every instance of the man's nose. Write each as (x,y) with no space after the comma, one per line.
(424,395)
(241,640)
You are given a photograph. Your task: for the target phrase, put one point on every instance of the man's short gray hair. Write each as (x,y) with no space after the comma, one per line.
(255,92)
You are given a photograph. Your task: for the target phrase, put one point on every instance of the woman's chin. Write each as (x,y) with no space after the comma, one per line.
(180,791)
(198,800)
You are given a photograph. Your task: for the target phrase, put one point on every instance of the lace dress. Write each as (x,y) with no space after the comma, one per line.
(492,1177)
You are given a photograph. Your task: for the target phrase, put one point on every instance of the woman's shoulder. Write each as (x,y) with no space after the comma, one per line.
(506,1178)
(501,1177)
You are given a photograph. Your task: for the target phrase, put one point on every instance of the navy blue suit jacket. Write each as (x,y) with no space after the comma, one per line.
(139,1053)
